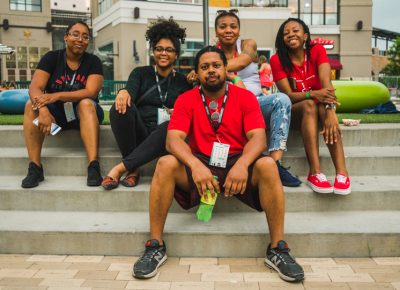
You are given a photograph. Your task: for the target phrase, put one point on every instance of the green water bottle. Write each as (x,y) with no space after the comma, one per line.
(204,212)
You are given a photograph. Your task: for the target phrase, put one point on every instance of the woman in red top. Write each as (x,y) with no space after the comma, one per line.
(302,71)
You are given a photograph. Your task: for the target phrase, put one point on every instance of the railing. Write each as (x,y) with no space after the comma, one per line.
(108,92)
(393,84)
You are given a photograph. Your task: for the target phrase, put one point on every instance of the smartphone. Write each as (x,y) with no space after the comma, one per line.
(54,129)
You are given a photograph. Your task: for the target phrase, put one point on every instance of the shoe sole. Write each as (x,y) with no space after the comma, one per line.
(94,183)
(152,274)
(342,191)
(271,265)
(319,189)
(34,185)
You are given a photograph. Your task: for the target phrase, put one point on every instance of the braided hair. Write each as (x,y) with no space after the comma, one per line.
(166,28)
(282,50)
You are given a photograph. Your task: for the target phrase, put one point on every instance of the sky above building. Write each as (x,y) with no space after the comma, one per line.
(385,14)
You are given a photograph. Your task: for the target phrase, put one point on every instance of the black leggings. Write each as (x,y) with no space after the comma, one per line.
(137,145)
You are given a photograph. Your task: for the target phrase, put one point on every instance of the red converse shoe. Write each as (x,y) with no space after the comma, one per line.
(342,185)
(319,183)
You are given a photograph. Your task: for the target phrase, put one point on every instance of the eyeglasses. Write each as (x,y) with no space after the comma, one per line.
(230,11)
(77,36)
(160,49)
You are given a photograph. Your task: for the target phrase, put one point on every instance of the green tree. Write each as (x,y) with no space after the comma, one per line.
(393,67)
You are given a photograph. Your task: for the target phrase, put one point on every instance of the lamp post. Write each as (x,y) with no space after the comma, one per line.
(205,23)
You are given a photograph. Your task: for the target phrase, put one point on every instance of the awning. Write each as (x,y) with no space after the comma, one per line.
(335,64)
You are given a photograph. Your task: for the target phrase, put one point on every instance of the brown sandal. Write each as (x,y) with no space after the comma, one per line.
(130,181)
(109,183)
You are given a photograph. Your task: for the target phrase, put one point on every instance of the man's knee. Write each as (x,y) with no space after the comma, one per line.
(167,164)
(264,166)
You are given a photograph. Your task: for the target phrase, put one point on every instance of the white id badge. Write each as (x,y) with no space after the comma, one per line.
(219,155)
(162,116)
(69,111)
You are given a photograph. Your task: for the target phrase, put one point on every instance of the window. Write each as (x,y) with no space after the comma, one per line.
(11,60)
(11,75)
(104,5)
(26,5)
(315,12)
(22,75)
(259,3)
(22,57)
(33,57)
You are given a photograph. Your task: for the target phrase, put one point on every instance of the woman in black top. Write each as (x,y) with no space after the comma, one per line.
(64,91)
(146,102)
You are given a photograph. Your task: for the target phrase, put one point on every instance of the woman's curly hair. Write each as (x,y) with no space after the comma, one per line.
(166,28)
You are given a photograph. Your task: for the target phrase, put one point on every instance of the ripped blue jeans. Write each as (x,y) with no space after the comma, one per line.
(276,110)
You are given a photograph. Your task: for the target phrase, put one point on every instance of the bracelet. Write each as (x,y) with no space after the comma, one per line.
(308,95)
(236,79)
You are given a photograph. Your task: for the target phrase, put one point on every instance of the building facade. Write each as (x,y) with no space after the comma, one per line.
(119,27)
(32,28)
(26,27)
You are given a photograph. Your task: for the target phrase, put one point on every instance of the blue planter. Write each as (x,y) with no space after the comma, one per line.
(13,101)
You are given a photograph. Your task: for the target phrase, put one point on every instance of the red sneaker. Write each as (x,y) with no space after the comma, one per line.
(342,185)
(319,183)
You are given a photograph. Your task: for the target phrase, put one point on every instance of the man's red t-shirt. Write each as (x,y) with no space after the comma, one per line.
(306,76)
(242,114)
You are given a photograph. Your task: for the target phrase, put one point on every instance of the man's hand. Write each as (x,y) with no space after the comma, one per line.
(204,180)
(331,129)
(43,100)
(236,180)
(122,100)
(325,96)
(192,77)
(45,119)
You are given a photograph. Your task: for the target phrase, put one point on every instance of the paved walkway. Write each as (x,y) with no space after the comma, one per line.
(50,272)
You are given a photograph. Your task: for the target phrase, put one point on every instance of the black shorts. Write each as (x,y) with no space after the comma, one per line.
(57,110)
(190,199)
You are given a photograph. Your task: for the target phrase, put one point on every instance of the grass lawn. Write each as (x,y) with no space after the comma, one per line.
(365,118)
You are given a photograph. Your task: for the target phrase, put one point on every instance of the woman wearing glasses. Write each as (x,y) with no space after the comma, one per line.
(243,61)
(64,90)
(302,71)
(144,106)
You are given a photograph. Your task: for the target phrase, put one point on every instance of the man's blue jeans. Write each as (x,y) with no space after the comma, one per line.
(276,110)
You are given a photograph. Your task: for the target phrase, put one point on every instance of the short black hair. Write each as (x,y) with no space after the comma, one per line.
(77,22)
(166,28)
(206,49)
(282,50)
(224,13)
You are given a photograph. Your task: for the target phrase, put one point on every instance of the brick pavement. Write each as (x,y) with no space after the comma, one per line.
(62,272)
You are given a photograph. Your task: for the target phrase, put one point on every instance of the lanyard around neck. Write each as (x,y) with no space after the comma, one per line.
(163,98)
(65,70)
(215,127)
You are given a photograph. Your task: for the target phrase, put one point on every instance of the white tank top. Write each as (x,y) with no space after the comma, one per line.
(249,74)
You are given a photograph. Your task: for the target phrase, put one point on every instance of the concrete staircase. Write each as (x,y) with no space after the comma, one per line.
(63,216)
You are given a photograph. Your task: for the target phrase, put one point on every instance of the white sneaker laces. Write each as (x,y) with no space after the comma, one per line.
(341,178)
(321,177)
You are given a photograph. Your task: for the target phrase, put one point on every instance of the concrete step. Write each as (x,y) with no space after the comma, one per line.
(317,234)
(69,193)
(363,135)
(72,161)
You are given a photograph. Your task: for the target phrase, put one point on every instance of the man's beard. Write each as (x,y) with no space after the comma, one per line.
(214,87)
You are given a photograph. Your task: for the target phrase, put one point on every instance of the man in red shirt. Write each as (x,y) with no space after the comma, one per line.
(226,134)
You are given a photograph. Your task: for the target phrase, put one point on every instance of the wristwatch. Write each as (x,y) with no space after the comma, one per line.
(330,106)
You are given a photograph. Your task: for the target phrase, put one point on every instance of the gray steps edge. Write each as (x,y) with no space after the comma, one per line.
(73,161)
(363,135)
(70,193)
(359,234)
